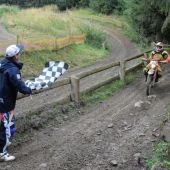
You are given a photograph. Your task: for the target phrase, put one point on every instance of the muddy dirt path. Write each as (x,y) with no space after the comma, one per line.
(6,39)
(115,130)
(121,48)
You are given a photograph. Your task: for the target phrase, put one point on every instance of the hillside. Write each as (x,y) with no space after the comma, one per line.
(112,134)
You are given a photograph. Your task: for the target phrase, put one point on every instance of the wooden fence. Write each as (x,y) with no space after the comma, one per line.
(74,80)
(51,44)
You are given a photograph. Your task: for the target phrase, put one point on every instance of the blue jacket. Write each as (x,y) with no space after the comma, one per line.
(10,84)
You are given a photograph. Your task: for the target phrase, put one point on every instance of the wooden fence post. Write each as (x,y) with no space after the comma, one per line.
(122,70)
(75,89)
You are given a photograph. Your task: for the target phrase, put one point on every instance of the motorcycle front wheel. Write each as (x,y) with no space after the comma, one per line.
(149,84)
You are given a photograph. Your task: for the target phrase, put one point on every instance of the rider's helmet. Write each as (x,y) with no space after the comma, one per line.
(159,47)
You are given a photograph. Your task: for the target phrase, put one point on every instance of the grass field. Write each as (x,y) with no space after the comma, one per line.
(105,20)
(39,23)
(47,22)
(75,55)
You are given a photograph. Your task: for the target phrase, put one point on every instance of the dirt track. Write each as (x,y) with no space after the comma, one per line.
(6,39)
(121,48)
(112,130)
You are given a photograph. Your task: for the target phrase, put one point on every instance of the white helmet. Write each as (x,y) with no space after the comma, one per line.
(159,46)
(12,50)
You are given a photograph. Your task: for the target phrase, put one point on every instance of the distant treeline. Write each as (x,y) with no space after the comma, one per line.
(28,3)
(150,18)
(103,6)
(39,3)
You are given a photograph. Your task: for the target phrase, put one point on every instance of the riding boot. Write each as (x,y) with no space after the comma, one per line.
(146,75)
(158,75)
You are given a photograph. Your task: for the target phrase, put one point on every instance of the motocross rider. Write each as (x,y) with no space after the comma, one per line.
(158,54)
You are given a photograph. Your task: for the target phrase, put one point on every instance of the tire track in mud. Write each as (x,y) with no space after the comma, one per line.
(6,39)
(53,95)
(76,133)
(88,143)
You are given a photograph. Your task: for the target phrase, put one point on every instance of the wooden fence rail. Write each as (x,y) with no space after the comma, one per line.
(96,70)
(74,80)
(122,71)
(57,84)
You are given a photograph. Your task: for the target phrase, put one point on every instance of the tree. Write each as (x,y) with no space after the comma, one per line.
(103,6)
(151,18)
(84,3)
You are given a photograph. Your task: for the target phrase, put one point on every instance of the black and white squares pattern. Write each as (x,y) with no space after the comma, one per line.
(52,71)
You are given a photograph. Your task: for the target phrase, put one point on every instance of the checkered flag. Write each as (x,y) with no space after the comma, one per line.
(52,71)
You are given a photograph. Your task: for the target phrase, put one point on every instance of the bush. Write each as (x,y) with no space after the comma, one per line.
(84,3)
(94,36)
(64,4)
(103,6)
(8,9)
(160,157)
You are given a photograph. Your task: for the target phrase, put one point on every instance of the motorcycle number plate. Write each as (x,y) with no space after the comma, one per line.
(151,71)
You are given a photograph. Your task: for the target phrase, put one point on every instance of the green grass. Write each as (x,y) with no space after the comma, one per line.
(114,21)
(35,24)
(39,23)
(106,91)
(76,56)
(4,9)
(160,156)
(94,36)
(105,20)
(48,22)
(168,111)
(161,153)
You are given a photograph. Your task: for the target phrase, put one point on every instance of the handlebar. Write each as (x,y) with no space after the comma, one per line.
(145,59)
(148,60)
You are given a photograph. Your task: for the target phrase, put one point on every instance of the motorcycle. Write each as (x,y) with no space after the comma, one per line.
(151,75)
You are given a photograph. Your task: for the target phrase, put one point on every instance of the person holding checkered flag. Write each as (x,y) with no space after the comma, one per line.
(10,84)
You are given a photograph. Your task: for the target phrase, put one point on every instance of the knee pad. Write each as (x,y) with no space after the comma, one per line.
(145,72)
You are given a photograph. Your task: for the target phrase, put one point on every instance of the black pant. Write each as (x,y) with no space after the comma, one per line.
(2,136)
